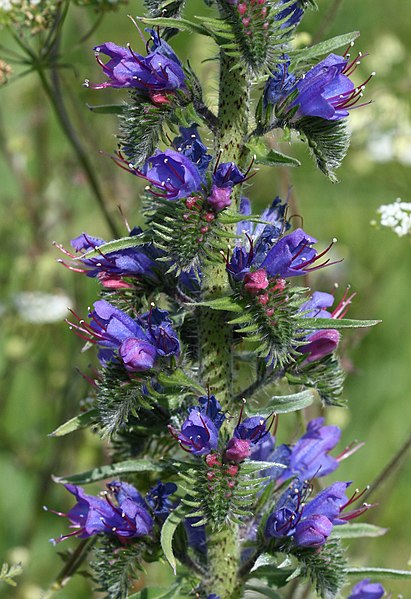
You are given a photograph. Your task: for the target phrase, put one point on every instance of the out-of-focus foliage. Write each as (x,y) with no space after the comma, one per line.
(45,197)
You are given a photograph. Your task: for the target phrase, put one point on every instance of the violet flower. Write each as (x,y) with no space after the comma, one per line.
(310,524)
(190,144)
(199,432)
(325,91)
(159,71)
(121,513)
(137,342)
(158,499)
(365,589)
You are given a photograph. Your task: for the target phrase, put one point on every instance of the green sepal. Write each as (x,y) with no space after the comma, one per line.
(325,47)
(76,423)
(109,471)
(378,573)
(357,530)
(9,573)
(335,323)
(326,569)
(282,404)
(326,376)
(167,533)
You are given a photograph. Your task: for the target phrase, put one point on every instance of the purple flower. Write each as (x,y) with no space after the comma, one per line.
(291,15)
(199,432)
(321,343)
(210,407)
(158,499)
(293,256)
(261,237)
(111,267)
(325,91)
(159,71)
(310,523)
(137,343)
(365,589)
(172,173)
(219,198)
(252,429)
(227,175)
(160,332)
(196,536)
(121,513)
(309,457)
(189,143)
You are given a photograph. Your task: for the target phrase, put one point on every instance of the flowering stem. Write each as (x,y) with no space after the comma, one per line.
(216,364)
(223,553)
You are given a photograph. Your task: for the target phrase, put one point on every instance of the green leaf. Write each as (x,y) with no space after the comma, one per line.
(157,593)
(76,423)
(269,157)
(378,573)
(179,379)
(227,304)
(106,108)
(358,530)
(114,246)
(325,47)
(282,404)
(263,591)
(343,323)
(167,533)
(103,472)
(8,573)
(181,24)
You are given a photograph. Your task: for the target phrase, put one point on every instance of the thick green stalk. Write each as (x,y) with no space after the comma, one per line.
(223,553)
(215,334)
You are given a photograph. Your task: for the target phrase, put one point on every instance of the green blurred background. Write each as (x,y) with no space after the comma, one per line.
(45,197)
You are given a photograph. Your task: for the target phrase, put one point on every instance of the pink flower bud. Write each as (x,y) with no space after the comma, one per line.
(237,450)
(256,281)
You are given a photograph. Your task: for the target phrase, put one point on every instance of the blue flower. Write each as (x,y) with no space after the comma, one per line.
(110,268)
(291,15)
(137,342)
(158,499)
(365,589)
(325,91)
(309,457)
(189,143)
(173,174)
(121,513)
(310,524)
(159,71)
(199,432)
(325,341)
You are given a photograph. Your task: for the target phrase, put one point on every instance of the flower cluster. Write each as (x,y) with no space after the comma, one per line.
(182,172)
(121,511)
(158,74)
(137,343)
(325,91)
(396,216)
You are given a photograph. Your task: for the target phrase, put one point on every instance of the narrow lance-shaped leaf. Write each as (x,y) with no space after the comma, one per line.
(325,47)
(358,530)
(378,573)
(103,472)
(343,323)
(76,423)
(288,403)
(167,533)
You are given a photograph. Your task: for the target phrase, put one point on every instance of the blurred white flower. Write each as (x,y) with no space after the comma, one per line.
(41,308)
(396,216)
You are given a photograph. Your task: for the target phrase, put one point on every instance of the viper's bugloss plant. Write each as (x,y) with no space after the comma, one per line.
(203,287)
